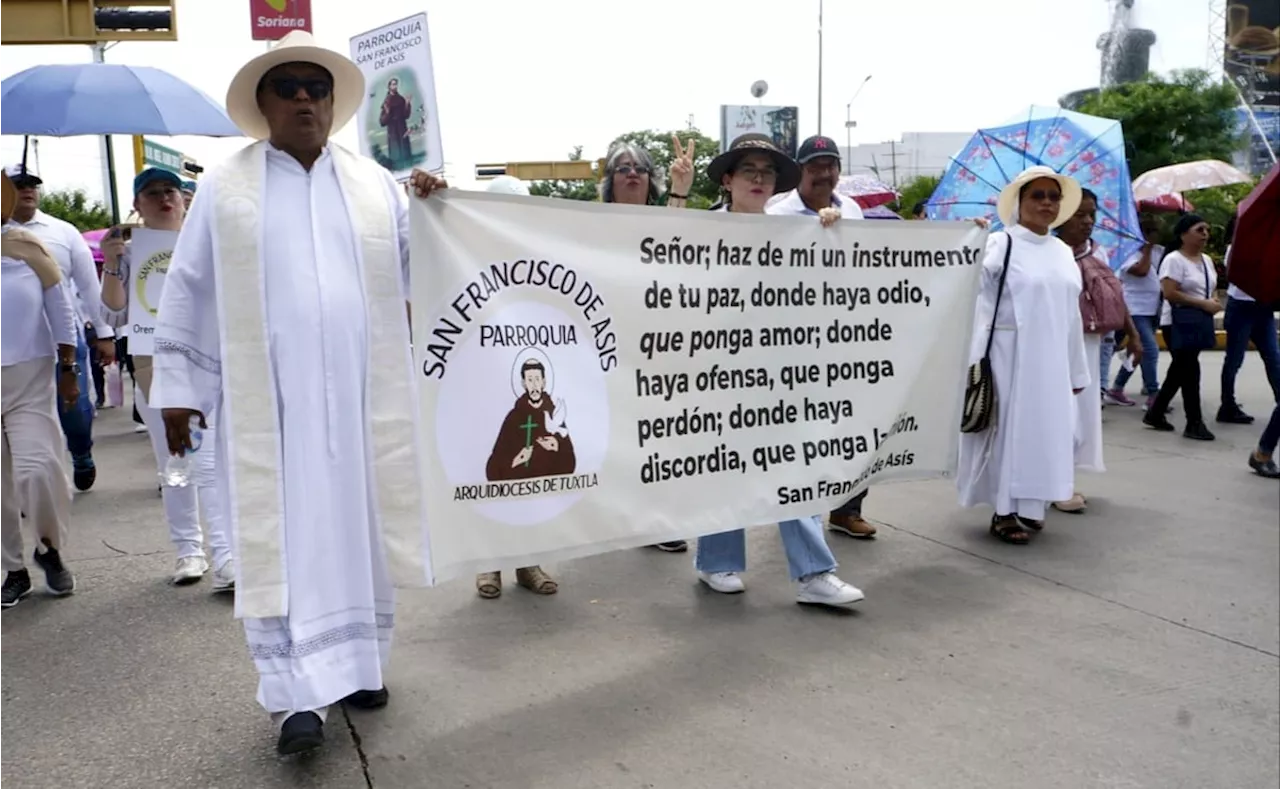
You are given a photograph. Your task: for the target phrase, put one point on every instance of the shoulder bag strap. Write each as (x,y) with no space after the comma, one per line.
(1004,274)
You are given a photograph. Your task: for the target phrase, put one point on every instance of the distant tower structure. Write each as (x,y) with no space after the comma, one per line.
(1126,54)
(1126,50)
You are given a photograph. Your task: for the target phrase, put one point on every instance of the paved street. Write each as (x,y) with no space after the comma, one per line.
(1135,646)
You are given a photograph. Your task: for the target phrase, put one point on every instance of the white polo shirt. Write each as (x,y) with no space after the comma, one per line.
(75,260)
(792,204)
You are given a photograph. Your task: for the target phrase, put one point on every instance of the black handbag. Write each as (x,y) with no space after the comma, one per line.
(1192,328)
(980,386)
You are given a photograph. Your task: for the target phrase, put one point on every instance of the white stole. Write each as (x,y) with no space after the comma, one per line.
(250,407)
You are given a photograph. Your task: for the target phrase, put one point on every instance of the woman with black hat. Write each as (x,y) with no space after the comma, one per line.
(749,173)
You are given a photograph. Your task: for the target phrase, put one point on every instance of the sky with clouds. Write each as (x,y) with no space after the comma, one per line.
(517,80)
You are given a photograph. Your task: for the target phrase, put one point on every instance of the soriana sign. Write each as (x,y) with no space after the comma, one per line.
(274,19)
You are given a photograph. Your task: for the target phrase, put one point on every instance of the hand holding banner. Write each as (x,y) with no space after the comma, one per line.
(598,376)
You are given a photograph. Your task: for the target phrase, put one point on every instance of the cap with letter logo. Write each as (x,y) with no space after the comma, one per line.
(815,147)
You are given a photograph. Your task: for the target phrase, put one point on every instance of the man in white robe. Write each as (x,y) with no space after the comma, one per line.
(284,312)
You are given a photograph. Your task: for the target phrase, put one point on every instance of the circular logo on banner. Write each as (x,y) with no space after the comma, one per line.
(150,280)
(522,419)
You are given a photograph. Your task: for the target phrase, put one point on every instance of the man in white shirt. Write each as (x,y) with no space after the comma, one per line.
(819,160)
(68,248)
(39,322)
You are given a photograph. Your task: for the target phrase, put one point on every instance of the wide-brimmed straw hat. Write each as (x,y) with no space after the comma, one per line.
(788,170)
(297,47)
(1007,205)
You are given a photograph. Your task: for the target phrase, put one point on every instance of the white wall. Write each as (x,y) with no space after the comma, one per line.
(917,153)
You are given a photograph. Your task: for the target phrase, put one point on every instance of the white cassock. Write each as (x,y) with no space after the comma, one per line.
(284,310)
(1037,358)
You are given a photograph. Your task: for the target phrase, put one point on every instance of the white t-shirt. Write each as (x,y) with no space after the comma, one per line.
(1191,279)
(1142,294)
(1234,292)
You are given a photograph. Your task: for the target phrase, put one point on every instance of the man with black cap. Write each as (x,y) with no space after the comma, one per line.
(79,273)
(819,160)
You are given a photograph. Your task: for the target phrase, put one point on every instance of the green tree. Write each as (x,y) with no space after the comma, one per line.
(73,206)
(916,190)
(568,190)
(702,195)
(1170,121)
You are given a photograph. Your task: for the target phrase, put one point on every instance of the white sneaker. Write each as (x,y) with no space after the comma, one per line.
(224,578)
(189,570)
(827,589)
(139,428)
(724,583)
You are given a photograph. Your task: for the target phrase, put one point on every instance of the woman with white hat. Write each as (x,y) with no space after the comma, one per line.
(749,173)
(1028,325)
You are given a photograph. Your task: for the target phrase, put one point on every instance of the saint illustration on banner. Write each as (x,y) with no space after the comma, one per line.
(399,127)
(534,438)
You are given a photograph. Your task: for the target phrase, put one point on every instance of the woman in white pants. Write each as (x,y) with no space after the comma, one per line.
(157,197)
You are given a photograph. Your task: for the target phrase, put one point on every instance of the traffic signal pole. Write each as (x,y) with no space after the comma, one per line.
(108,155)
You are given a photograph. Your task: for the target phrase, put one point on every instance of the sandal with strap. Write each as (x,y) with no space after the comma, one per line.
(1007,529)
(489,585)
(536,581)
(1033,525)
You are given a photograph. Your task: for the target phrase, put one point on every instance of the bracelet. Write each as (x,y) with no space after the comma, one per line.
(676,196)
(115,273)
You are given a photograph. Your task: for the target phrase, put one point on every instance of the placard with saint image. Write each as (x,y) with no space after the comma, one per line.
(149,254)
(398,123)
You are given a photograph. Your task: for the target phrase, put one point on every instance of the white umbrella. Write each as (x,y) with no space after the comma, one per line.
(1187,177)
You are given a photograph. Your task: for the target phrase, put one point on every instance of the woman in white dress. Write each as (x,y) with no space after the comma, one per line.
(1026,458)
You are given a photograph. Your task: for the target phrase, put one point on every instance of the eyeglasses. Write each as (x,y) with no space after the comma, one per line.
(1040,194)
(287,87)
(628,169)
(757,174)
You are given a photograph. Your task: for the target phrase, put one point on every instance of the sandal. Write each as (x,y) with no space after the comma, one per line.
(489,585)
(1030,524)
(536,581)
(1076,505)
(1007,529)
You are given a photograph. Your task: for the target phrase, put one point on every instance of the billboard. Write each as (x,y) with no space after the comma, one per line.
(780,124)
(272,20)
(1251,55)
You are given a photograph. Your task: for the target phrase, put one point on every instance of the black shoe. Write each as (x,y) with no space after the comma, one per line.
(1265,468)
(675,546)
(1158,422)
(302,731)
(368,699)
(57,578)
(17,585)
(1233,415)
(84,476)
(1198,432)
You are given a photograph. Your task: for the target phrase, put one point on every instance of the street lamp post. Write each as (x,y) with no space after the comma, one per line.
(819,67)
(849,125)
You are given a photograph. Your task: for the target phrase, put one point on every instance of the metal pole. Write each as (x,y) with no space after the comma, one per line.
(819,66)
(108,155)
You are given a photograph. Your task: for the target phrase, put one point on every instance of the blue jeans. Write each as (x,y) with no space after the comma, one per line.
(1106,349)
(853,506)
(1150,357)
(77,420)
(1271,435)
(1245,321)
(807,551)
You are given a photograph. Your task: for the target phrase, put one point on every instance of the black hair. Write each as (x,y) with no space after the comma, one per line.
(918,208)
(1229,233)
(1087,194)
(532,364)
(1185,223)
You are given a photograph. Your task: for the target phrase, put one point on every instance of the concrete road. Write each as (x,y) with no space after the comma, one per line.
(1135,646)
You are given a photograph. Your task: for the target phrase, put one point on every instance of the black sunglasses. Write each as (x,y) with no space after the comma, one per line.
(287,87)
(628,169)
(1040,194)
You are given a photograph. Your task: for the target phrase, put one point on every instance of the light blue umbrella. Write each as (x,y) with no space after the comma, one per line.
(1089,149)
(107,98)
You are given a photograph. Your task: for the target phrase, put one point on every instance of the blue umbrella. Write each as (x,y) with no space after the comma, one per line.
(1089,149)
(107,98)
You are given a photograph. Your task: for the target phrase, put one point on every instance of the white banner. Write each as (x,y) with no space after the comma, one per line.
(598,377)
(149,254)
(398,123)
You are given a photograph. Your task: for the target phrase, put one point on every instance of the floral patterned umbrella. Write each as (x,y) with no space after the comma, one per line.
(867,190)
(1089,149)
(1187,177)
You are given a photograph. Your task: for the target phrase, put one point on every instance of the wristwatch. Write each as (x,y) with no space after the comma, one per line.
(74,367)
